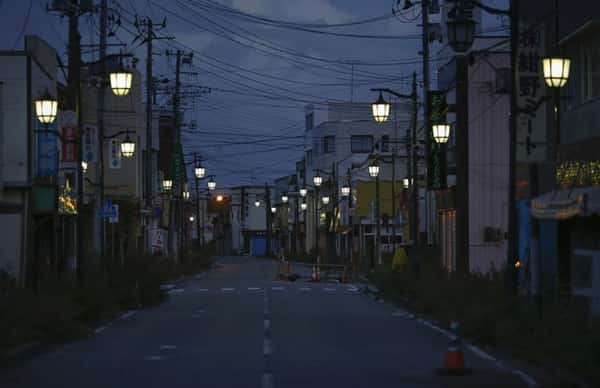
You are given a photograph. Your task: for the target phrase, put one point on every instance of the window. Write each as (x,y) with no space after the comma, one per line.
(329,144)
(361,144)
(590,74)
(385,143)
(310,120)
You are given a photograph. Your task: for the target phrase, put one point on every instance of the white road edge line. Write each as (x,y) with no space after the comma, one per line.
(530,381)
(127,315)
(100,329)
(526,378)
(481,353)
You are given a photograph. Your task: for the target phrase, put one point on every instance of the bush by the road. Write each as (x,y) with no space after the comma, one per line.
(62,309)
(556,334)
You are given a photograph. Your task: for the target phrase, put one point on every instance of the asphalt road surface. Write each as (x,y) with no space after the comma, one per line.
(237,327)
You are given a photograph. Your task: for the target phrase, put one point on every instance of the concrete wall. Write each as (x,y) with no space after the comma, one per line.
(488,163)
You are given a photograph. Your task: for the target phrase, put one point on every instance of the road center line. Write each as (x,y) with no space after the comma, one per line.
(227,289)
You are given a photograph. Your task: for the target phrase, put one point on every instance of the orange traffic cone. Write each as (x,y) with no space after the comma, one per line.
(455,359)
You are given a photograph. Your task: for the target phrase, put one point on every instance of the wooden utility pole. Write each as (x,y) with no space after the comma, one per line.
(414,182)
(426,108)
(100,222)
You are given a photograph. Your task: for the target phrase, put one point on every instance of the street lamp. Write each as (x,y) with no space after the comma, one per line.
(405,182)
(273,209)
(212,184)
(84,166)
(303,192)
(345,190)
(257,203)
(381,109)
(325,200)
(556,71)
(120,81)
(167,184)
(374,170)
(186,195)
(284,198)
(199,171)
(46,108)
(192,218)
(441,133)
(318,180)
(127,147)
(461,31)
(303,206)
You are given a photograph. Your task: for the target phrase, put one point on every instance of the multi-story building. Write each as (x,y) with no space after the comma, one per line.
(565,230)
(339,149)
(30,176)
(249,226)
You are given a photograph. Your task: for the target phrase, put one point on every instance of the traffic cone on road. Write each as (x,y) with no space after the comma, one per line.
(455,359)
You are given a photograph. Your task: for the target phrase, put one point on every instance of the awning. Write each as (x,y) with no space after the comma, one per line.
(567,203)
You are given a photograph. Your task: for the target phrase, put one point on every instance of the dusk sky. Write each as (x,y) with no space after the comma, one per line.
(250,126)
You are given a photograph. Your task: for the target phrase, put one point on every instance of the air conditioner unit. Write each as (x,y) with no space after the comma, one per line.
(492,235)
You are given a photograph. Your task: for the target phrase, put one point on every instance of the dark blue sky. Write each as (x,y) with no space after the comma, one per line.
(249,127)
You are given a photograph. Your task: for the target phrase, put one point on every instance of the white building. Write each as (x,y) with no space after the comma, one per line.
(248,221)
(339,148)
(26,202)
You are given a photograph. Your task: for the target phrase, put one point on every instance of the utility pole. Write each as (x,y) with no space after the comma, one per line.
(197,180)
(75,103)
(179,184)
(426,108)
(149,37)
(100,222)
(378,221)
(415,164)
(268,218)
(149,86)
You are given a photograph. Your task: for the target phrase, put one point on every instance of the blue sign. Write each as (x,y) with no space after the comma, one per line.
(108,210)
(47,150)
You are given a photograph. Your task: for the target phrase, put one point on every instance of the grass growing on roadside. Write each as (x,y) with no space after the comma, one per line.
(560,334)
(63,309)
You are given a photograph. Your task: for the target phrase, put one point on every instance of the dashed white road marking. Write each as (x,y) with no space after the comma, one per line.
(327,289)
(154,358)
(267,324)
(227,289)
(200,311)
(304,289)
(176,291)
(277,288)
(127,315)
(399,314)
(100,329)
(196,316)
(168,347)
(253,288)
(352,289)
(267,380)
(267,347)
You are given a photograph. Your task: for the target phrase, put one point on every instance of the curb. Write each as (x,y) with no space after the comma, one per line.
(21,352)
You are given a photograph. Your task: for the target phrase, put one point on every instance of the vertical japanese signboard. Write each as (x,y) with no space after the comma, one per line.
(90,143)
(435,172)
(47,150)
(69,143)
(531,127)
(114,154)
